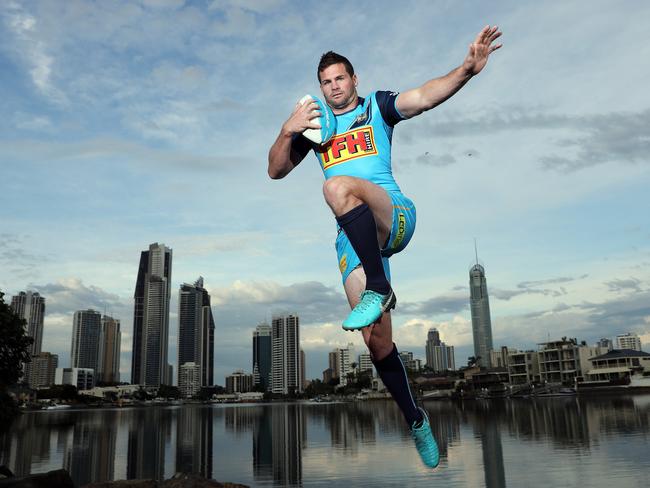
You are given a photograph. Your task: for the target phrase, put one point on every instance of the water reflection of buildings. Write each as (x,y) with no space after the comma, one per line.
(355,424)
(84,442)
(445,419)
(29,443)
(149,432)
(487,427)
(279,436)
(89,453)
(194,441)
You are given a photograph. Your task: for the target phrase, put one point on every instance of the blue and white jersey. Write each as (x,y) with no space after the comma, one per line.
(362,144)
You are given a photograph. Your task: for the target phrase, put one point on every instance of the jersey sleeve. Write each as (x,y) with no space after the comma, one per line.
(301,145)
(386,102)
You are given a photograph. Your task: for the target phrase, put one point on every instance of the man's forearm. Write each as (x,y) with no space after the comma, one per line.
(432,93)
(280,155)
(436,91)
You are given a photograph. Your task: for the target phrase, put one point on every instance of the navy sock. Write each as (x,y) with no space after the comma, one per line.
(393,374)
(360,227)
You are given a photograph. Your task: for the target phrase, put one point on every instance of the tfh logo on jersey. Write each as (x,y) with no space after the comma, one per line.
(352,144)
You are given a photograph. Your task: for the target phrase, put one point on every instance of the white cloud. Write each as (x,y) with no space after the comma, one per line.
(25,27)
(454,332)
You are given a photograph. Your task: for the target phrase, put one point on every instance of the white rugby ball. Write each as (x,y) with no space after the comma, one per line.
(327,122)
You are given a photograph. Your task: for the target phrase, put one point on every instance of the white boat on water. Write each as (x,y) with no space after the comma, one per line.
(562,392)
(57,406)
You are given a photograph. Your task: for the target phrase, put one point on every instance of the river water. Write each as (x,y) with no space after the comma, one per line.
(590,442)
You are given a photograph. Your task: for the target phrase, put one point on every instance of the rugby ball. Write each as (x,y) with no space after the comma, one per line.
(327,122)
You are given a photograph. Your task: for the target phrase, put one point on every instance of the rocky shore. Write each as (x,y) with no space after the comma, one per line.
(60,478)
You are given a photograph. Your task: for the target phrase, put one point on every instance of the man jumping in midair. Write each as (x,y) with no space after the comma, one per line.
(375,219)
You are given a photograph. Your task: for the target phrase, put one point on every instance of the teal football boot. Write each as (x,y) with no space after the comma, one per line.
(424,442)
(369,309)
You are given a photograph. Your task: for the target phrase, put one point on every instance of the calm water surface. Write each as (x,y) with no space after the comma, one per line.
(590,442)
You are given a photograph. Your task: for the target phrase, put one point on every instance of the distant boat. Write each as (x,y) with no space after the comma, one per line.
(436,395)
(562,392)
(56,406)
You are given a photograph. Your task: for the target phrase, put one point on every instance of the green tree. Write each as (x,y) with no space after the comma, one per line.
(14,347)
(317,387)
(472,361)
(168,391)
(14,350)
(58,392)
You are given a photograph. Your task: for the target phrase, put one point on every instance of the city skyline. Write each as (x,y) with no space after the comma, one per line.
(134,122)
(437,355)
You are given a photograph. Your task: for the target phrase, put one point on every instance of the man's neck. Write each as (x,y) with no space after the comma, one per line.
(348,108)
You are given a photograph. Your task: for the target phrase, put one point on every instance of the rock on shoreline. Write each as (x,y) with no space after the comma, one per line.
(61,479)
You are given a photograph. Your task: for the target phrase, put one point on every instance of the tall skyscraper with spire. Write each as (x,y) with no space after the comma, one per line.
(480,307)
(151,317)
(196,331)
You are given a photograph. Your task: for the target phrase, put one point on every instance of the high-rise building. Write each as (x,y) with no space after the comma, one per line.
(43,369)
(405,356)
(110,341)
(481,322)
(30,306)
(606,343)
(302,369)
(285,354)
(189,379)
(151,317)
(345,357)
(196,330)
(262,356)
(82,378)
(86,328)
(440,357)
(239,382)
(365,363)
(499,357)
(628,341)
(334,363)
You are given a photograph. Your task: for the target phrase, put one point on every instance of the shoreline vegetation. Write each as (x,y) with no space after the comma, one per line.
(495,391)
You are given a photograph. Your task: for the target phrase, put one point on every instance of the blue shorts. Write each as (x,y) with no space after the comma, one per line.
(400,235)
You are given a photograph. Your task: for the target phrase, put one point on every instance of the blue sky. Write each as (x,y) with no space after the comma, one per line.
(127,123)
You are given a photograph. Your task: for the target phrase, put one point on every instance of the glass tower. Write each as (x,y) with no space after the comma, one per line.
(481,323)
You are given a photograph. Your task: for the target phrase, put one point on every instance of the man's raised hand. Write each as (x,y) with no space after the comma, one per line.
(480,49)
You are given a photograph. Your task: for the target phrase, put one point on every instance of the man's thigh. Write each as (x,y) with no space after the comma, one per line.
(380,204)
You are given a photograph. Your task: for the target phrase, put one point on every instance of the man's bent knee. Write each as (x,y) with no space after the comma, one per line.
(339,193)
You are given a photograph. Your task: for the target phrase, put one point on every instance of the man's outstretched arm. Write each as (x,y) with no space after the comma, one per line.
(413,102)
(282,155)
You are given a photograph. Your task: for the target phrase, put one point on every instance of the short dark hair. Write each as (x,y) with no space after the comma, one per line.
(330,58)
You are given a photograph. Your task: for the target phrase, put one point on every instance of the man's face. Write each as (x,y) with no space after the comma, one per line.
(339,88)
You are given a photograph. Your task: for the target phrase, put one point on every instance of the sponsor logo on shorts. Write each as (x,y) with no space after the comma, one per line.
(356,143)
(401,230)
(343,263)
